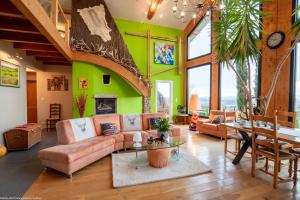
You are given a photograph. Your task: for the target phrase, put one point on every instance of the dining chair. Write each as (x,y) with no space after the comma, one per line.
(286,119)
(230,116)
(54,116)
(270,150)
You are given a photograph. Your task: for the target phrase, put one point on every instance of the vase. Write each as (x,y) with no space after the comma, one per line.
(2,150)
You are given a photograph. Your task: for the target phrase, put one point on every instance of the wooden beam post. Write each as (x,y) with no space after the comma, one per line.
(179,60)
(54,12)
(149,56)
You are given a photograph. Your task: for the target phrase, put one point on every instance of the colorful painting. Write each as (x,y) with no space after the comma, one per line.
(164,53)
(83,83)
(58,83)
(9,74)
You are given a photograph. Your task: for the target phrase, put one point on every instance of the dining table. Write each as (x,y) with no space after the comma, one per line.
(285,134)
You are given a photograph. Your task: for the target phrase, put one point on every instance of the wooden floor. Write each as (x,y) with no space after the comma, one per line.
(225,182)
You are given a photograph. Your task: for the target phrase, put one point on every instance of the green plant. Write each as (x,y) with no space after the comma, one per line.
(163,125)
(237,38)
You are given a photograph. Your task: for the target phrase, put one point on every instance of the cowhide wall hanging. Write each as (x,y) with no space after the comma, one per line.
(94,31)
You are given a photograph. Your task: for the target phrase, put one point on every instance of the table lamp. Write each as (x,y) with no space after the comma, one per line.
(194,104)
(137,139)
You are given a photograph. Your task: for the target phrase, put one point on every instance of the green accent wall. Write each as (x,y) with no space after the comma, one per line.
(129,101)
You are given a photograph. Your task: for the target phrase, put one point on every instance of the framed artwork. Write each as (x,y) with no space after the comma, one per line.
(164,53)
(9,74)
(58,83)
(83,83)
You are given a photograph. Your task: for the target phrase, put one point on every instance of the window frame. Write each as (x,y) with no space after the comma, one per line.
(293,69)
(187,86)
(211,38)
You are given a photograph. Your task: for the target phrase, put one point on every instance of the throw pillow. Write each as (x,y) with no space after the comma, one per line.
(109,129)
(153,122)
(83,128)
(132,122)
(218,119)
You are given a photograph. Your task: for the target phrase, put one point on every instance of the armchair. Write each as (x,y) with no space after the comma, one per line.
(207,126)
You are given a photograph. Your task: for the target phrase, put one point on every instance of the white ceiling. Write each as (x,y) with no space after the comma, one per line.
(136,10)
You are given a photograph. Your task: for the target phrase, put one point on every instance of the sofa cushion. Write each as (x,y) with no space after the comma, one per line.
(154,122)
(218,119)
(109,129)
(108,118)
(73,152)
(132,122)
(147,116)
(65,131)
(83,128)
(117,137)
(210,126)
(128,136)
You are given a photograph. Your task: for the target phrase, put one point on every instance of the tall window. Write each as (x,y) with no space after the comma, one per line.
(297,84)
(199,85)
(229,86)
(199,40)
(296,77)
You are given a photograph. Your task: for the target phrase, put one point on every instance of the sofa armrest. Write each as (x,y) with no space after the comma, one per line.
(201,121)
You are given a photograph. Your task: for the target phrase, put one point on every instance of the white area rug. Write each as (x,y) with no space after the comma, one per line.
(125,173)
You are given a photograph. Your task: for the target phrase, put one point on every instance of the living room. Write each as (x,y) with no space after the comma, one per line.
(149,99)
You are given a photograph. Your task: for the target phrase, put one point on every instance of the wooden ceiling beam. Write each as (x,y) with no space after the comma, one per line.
(153,8)
(24,37)
(50,59)
(57,63)
(9,10)
(35,47)
(44,54)
(17,25)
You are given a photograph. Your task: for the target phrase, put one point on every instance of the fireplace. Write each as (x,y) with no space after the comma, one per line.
(105,104)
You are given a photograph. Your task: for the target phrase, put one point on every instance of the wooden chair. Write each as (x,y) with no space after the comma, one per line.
(232,133)
(287,119)
(270,150)
(54,117)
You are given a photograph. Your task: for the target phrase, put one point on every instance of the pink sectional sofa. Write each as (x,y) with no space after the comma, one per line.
(71,155)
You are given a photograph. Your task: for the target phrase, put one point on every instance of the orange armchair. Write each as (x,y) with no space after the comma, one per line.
(205,126)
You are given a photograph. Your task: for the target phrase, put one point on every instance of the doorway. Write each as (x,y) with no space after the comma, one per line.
(31,97)
(164,97)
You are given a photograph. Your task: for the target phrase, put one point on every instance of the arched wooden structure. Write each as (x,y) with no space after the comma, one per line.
(137,84)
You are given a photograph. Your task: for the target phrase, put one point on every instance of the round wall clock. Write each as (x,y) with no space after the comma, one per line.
(275,40)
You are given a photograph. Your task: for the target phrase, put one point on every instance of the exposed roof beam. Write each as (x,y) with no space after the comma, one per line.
(153,8)
(35,47)
(17,25)
(44,54)
(9,10)
(51,59)
(57,63)
(35,13)
(24,37)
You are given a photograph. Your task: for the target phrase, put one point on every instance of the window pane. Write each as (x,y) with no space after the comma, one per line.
(199,84)
(229,86)
(199,41)
(297,85)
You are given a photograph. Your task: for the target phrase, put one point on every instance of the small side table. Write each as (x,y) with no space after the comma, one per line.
(182,119)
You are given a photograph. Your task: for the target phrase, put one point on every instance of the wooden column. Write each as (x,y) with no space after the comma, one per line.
(278,19)
(54,12)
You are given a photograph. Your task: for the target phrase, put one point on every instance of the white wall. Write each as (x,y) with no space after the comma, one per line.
(13,105)
(45,97)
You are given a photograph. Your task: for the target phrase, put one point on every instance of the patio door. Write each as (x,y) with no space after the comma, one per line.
(164,97)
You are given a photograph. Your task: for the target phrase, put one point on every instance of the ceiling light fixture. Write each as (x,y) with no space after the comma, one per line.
(184,8)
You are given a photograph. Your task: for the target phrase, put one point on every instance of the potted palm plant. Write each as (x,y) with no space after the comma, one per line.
(238,43)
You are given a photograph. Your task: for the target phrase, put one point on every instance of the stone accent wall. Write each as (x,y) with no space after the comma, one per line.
(146,104)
